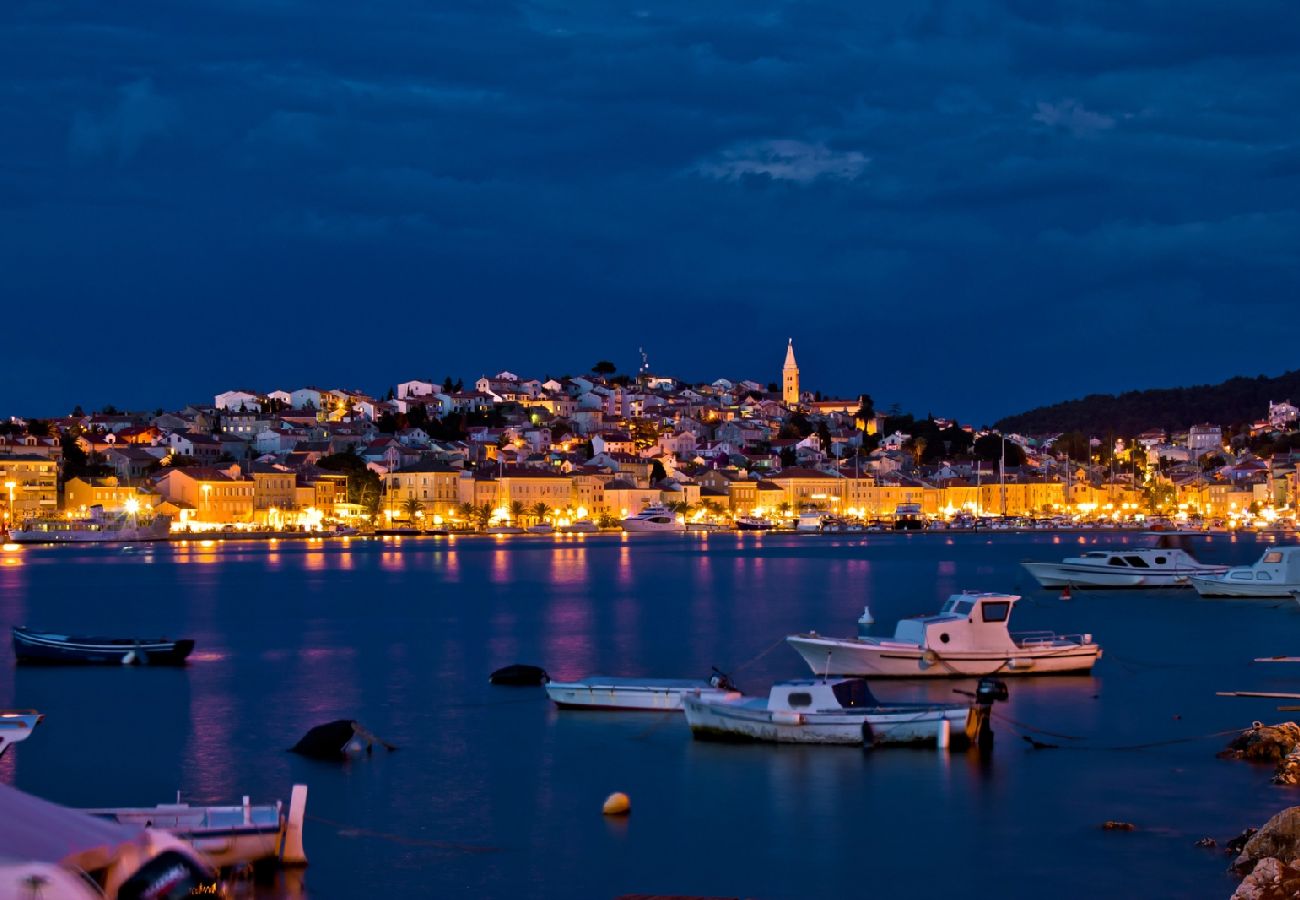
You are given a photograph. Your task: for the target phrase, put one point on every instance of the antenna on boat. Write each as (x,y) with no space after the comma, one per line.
(826,673)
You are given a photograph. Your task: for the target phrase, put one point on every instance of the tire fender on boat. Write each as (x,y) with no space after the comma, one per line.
(868,734)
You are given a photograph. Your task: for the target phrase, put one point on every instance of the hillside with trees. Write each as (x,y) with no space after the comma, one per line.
(1231,402)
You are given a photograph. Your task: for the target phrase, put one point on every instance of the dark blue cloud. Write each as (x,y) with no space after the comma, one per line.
(966,207)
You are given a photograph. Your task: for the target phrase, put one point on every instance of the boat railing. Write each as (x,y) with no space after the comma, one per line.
(1042,638)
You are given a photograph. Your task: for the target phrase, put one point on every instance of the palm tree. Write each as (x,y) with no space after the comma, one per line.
(483,514)
(516,509)
(412,508)
(784,509)
(540,510)
(711,507)
(466,511)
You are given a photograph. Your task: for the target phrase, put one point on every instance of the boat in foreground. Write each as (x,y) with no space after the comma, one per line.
(969,637)
(16,725)
(1167,564)
(658,694)
(1275,575)
(227,836)
(821,711)
(61,649)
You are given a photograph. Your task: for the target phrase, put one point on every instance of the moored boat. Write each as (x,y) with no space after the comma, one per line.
(653,519)
(49,648)
(810,521)
(97,527)
(582,526)
(970,636)
(227,836)
(1276,574)
(821,711)
(1167,564)
(753,523)
(16,725)
(658,694)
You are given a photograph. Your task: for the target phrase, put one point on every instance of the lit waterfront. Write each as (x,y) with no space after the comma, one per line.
(495,794)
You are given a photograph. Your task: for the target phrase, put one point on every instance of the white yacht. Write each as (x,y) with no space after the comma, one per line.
(810,521)
(582,526)
(820,711)
(969,637)
(1167,564)
(1276,574)
(97,527)
(653,518)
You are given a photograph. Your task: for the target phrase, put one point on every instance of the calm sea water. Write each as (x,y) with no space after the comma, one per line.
(495,794)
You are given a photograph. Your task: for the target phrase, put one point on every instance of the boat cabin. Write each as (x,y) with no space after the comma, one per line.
(1280,565)
(819,695)
(966,622)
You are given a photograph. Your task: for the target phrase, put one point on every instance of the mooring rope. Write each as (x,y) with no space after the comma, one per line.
(344,828)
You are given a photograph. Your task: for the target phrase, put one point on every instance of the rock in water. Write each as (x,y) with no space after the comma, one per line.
(1279,838)
(519,675)
(1265,743)
(337,740)
(1118,826)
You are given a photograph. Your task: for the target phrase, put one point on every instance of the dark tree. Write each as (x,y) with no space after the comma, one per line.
(657,473)
(604,367)
(989,447)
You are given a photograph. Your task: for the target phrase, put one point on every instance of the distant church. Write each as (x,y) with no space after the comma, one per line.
(790,377)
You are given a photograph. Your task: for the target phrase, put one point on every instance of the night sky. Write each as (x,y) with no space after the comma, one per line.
(967,208)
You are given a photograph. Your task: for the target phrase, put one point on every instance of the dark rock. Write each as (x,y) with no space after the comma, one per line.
(337,740)
(519,675)
(1206,842)
(1233,846)
(1279,838)
(1118,826)
(1288,770)
(1264,743)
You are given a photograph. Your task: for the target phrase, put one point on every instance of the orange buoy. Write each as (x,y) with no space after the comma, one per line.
(617,804)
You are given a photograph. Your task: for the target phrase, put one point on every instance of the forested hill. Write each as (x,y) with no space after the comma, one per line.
(1232,402)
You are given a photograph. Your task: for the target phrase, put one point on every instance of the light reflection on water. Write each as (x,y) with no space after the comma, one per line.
(402,637)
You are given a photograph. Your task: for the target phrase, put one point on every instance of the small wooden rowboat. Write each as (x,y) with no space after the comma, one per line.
(16,725)
(44,647)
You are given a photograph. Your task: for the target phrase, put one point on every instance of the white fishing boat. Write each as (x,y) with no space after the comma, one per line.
(1276,574)
(821,711)
(16,725)
(969,637)
(657,694)
(96,528)
(1167,564)
(227,836)
(653,518)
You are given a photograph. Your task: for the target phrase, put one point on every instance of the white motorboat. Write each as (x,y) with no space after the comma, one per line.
(658,694)
(541,528)
(810,521)
(1276,574)
(969,637)
(1168,564)
(227,835)
(503,529)
(582,526)
(97,528)
(821,711)
(16,725)
(653,518)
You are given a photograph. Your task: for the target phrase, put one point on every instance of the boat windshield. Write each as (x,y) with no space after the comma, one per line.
(853,692)
(1272,556)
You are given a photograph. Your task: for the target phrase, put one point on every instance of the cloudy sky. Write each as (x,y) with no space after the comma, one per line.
(968,208)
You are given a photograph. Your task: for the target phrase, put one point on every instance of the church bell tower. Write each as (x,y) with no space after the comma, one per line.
(790,377)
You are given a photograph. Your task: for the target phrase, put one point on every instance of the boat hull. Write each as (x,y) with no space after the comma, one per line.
(831,657)
(51,649)
(1214,587)
(657,695)
(727,721)
(635,527)
(227,836)
(1062,575)
(159,530)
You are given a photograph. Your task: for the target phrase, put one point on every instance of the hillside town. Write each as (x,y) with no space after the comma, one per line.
(511,450)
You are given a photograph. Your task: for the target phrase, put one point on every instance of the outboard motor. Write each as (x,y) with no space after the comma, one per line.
(720,680)
(979,726)
(865,621)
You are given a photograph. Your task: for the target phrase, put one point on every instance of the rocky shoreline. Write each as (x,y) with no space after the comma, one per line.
(1268,860)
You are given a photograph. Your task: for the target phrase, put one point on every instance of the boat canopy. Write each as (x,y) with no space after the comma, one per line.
(39,831)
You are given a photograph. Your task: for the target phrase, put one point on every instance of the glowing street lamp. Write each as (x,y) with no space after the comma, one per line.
(9,510)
